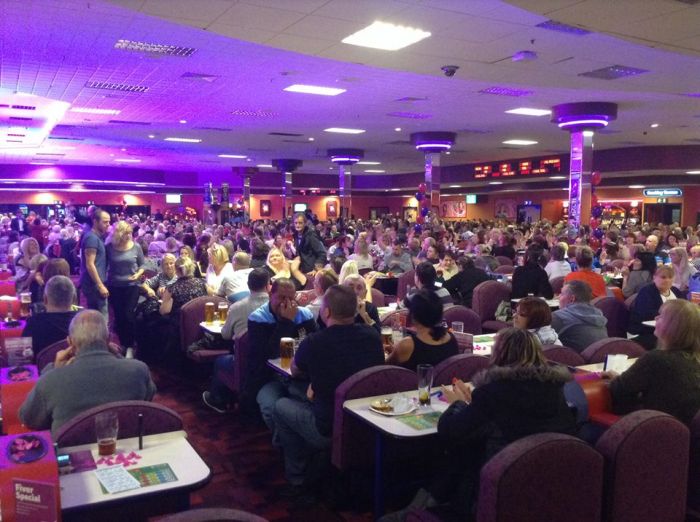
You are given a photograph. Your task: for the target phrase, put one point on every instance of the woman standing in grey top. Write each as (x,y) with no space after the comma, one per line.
(124,269)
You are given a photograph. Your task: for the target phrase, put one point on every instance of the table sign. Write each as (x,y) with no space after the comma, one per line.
(15,384)
(29,487)
(18,350)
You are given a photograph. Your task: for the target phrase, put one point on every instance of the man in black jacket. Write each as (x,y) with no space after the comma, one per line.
(461,286)
(309,247)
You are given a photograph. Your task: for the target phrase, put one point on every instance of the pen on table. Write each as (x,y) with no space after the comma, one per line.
(140,417)
(436,393)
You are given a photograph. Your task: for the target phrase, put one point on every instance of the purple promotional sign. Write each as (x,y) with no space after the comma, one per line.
(575,171)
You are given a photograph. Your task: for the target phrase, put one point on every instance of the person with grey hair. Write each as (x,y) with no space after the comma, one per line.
(51,326)
(577,322)
(234,285)
(84,375)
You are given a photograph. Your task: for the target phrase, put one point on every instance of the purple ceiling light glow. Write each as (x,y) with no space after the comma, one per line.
(584,115)
(433,141)
(345,156)
(434,145)
(584,123)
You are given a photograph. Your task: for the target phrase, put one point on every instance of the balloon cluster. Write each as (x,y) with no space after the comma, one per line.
(596,208)
(424,201)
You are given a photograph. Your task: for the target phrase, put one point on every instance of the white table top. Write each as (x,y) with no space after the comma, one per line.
(599,367)
(82,489)
(276,364)
(391,425)
(214,327)
(650,323)
(552,303)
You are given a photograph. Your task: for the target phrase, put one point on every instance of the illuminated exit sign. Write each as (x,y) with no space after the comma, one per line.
(663,192)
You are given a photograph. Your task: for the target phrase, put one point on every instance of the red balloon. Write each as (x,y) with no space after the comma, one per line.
(595,223)
(596,177)
(422,187)
(420,219)
(594,200)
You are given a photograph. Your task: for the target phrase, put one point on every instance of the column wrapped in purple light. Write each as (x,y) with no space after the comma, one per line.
(287,167)
(432,144)
(345,159)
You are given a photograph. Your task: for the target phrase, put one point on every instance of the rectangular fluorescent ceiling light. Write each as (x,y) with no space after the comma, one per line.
(386,36)
(375,171)
(369,162)
(693,172)
(264,166)
(314,89)
(184,140)
(234,156)
(91,110)
(519,142)
(127,160)
(341,130)
(526,111)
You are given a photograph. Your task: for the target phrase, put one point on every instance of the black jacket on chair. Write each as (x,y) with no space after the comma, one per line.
(646,306)
(461,285)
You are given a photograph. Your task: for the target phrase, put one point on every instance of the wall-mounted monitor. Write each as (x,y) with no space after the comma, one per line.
(175,199)
(300,207)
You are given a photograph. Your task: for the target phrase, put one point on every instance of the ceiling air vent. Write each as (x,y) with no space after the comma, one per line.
(410,115)
(66,138)
(127,122)
(253,113)
(614,72)
(689,2)
(216,129)
(288,134)
(399,142)
(24,107)
(124,87)
(200,77)
(474,131)
(152,48)
(553,25)
(17,118)
(505,91)
(411,99)
(50,154)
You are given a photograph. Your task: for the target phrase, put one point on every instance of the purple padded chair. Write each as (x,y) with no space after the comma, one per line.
(472,322)
(646,468)
(629,302)
(463,366)
(485,299)
(156,419)
(213,515)
(389,318)
(353,440)
(405,280)
(48,354)
(557,284)
(694,470)
(191,314)
(377,297)
(234,380)
(599,350)
(503,260)
(616,313)
(504,269)
(562,355)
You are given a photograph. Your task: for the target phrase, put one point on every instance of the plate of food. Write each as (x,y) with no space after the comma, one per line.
(393,407)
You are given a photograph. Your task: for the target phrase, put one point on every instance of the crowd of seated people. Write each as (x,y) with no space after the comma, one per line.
(147,270)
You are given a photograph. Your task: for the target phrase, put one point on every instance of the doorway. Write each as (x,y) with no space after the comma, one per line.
(663,213)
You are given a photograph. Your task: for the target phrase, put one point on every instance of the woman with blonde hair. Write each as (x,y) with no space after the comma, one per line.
(682,267)
(279,267)
(219,268)
(665,379)
(125,261)
(28,248)
(361,254)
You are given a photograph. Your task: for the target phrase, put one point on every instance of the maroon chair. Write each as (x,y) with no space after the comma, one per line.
(48,354)
(503,260)
(377,297)
(694,470)
(562,355)
(472,322)
(353,440)
(156,419)
(629,302)
(485,300)
(404,281)
(532,480)
(234,379)
(646,468)
(389,319)
(504,269)
(599,350)
(213,515)
(557,284)
(191,314)
(616,313)
(463,366)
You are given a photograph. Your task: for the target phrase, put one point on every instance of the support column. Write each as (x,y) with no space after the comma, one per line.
(432,144)
(287,167)
(246,199)
(345,159)
(432,177)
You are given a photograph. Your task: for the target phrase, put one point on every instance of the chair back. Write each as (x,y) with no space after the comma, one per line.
(694,467)
(48,354)
(472,322)
(599,350)
(616,313)
(242,358)
(533,478)
(503,260)
(504,269)
(486,298)
(629,302)
(646,467)
(353,440)
(191,314)
(557,283)
(377,297)
(213,515)
(404,281)
(563,355)
(389,319)
(156,419)
(463,366)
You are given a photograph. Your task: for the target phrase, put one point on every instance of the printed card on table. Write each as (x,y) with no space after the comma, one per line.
(422,421)
(18,351)
(34,501)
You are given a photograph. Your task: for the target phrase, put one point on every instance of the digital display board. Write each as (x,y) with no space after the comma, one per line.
(519,167)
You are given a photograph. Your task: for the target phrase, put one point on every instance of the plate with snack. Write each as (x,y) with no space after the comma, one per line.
(392,407)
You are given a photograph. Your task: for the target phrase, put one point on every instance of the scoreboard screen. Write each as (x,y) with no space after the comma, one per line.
(522,168)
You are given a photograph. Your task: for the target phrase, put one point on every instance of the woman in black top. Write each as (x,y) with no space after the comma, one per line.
(531,277)
(431,343)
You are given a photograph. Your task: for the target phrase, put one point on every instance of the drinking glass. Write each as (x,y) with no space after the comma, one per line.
(106,430)
(458,326)
(286,352)
(209,312)
(425,382)
(25,301)
(223,312)
(387,338)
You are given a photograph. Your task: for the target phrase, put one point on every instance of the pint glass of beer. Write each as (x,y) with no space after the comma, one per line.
(209,312)
(387,338)
(223,312)
(25,301)
(286,352)
(106,430)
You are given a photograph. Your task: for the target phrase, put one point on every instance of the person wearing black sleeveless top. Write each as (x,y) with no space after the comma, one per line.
(431,343)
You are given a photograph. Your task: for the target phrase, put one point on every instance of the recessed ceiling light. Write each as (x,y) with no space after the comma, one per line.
(519,142)
(654,125)
(557,177)
(111,155)
(693,172)
(341,130)
(375,171)
(184,140)
(127,160)
(636,186)
(495,183)
(386,36)
(233,156)
(398,129)
(448,152)
(369,162)
(394,189)
(37,163)
(588,133)
(151,136)
(311,139)
(123,149)
(91,110)
(527,111)
(264,166)
(314,89)
(454,186)
(183,121)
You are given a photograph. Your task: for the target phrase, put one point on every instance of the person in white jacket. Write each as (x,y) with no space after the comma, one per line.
(558,266)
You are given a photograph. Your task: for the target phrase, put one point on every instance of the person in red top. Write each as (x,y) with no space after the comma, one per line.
(584,260)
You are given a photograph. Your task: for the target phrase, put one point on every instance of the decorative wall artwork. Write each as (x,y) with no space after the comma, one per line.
(505,208)
(265,208)
(331,209)
(410,214)
(454,209)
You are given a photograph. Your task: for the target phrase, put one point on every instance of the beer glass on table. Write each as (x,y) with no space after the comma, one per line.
(106,430)
(425,382)
(286,352)
(209,312)
(223,312)
(387,338)
(25,301)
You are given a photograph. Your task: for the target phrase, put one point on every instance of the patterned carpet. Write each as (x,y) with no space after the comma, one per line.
(247,472)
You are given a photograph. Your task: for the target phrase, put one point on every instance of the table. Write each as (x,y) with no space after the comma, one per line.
(9,304)
(651,323)
(483,344)
(81,494)
(276,364)
(5,275)
(386,311)
(8,332)
(599,367)
(214,328)
(552,303)
(391,427)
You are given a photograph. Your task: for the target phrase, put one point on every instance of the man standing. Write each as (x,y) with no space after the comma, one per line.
(577,322)
(93,263)
(310,250)
(18,224)
(326,358)
(85,375)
